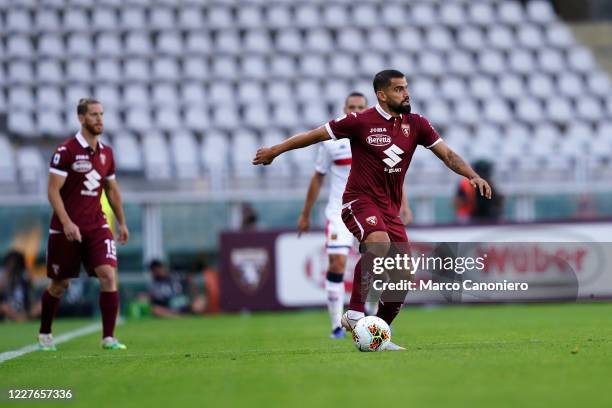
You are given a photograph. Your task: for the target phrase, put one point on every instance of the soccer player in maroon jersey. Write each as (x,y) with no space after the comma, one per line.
(79,233)
(383,139)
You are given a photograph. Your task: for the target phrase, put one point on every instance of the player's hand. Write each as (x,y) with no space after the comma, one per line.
(72,232)
(264,155)
(406,216)
(124,234)
(483,187)
(303,224)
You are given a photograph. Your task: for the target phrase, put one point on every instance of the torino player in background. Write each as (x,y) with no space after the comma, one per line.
(383,139)
(79,232)
(334,157)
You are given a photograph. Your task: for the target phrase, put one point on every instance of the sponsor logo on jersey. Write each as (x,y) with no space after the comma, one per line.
(92,183)
(81,157)
(378,130)
(372,220)
(393,157)
(82,166)
(406,129)
(378,140)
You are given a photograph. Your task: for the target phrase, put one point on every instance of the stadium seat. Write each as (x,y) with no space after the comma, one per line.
(466,112)
(17,21)
(108,45)
(169,44)
(192,93)
(530,37)
(30,164)
(306,16)
(501,38)
(79,70)
(540,11)
(108,95)
(460,63)
(588,108)
(452,14)
(132,18)
(308,90)
(289,41)
(438,112)
(46,20)
(161,18)
(20,97)
(511,86)
(190,17)
(222,92)
(279,91)
(559,110)
(510,12)
(559,35)
(135,94)
(570,84)
(529,110)
(197,43)
(50,45)
(431,63)
(394,15)
(521,61)
(581,59)
(165,94)
(196,118)
(257,115)
(285,114)
(136,70)
(272,137)
(254,67)
(219,16)
(50,123)
(74,92)
(49,71)
(257,41)
(48,97)
(128,156)
(243,145)
(278,16)
(312,65)
(215,157)
(364,15)
(8,169)
(440,39)
(20,72)
(21,122)
(497,111)
(138,119)
(195,68)
(599,83)
(75,19)
(342,63)
(482,87)
(138,44)
(320,40)
(184,148)
(228,42)
(453,88)
(471,38)
(112,120)
(225,117)
(156,156)
(409,39)
(422,14)
(249,16)
(379,39)
(491,62)
(481,13)
(80,45)
(541,85)
(551,60)
(104,19)
(315,115)
(224,67)
(166,69)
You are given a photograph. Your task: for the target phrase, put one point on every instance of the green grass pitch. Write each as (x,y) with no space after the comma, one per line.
(479,356)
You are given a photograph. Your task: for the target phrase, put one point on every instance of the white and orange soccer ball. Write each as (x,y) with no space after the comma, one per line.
(371,333)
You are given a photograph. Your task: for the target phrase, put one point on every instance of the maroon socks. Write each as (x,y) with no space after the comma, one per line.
(50,304)
(109,306)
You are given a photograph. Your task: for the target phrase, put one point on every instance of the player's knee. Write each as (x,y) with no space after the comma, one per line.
(106,276)
(377,243)
(337,264)
(58,287)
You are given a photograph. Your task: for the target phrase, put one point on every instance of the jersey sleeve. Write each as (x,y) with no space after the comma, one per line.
(428,136)
(324,161)
(111,170)
(343,127)
(60,161)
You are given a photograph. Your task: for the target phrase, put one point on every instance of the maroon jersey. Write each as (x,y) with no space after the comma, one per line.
(85,172)
(382,147)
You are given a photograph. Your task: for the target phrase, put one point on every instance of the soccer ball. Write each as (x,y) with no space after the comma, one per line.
(371,334)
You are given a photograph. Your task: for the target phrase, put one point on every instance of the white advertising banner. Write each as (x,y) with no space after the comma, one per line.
(556,261)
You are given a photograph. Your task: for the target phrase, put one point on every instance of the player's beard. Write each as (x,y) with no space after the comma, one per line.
(401,108)
(93,129)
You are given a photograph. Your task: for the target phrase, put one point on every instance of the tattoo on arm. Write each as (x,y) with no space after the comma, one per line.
(458,165)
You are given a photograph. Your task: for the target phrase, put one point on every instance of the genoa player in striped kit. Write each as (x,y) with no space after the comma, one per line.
(79,233)
(383,139)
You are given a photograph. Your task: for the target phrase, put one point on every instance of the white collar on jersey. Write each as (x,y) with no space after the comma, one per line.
(384,114)
(84,143)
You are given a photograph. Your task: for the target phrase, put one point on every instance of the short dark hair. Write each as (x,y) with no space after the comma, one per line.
(357,94)
(155,263)
(383,78)
(84,103)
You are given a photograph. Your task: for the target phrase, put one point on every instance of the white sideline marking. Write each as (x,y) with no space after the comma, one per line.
(62,338)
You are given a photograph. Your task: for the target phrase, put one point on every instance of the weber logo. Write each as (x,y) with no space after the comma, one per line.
(378,140)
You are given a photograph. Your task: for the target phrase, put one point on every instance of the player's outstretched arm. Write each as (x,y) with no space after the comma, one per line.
(114,199)
(71,230)
(311,196)
(265,155)
(454,162)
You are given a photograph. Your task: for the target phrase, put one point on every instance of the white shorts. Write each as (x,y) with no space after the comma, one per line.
(338,239)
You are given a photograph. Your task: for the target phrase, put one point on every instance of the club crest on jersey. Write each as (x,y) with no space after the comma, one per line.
(372,220)
(103,159)
(406,129)
(82,166)
(55,269)
(333,237)
(378,140)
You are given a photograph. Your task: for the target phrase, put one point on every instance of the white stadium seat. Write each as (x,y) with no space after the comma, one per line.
(491,62)
(132,18)
(530,37)
(184,148)
(335,15)
(482,86)
(104,19)
(249,16)
(285,115)
(581,59)
(306,16)
(195,68)
(8,168)
(190,17)
(559,109)
(138,119)
(108,45)
(501,37)
(453,88)
(422,14)
(136,94)
(510,12)
(379,39)
(166,69)
(20,72)
(128,154)
(570,84)
(224,67)
(471,38)
(156,156)
(161,18)
(278,16)
(243,146)
(440,39)
(107,94)
(460,63)
(18,21)
(21,122)
(481,13)
(49,97)
(219,16)
(521,61)
(279,91)
(30,164)
(136,70)
(364,15)
(559,35)
(169,43)
(79,70)
(75,19)
(197,43)
(228,42)
(452,14)
(467,112)
(257,116)
(529,110)
(511,86)
(165,94)
(50,122)
(394,15)
(588,108)
(80,45)
(349,39)
(409,39)
(541,85)
(551,60)
(49,71)
(196,118)
(309,90)
(540,11)
(599,83)
(497,111)
(49,45)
